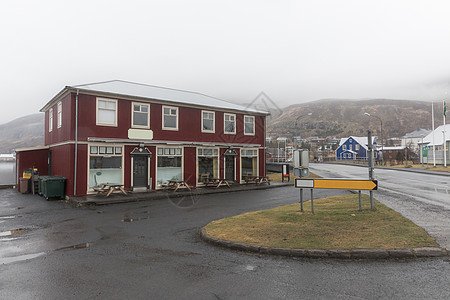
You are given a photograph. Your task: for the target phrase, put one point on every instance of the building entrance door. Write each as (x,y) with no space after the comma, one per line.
(140,171)
(141,157)
(229,167)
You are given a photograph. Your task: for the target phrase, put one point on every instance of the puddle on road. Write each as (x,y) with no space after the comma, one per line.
(134,218)
(9,217)
(13,232)
(8,260)
(250,268)
(128,220)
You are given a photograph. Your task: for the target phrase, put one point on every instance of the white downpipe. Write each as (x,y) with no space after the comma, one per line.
(76,147)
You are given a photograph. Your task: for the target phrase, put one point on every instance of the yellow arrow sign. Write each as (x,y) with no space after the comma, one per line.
(346,184)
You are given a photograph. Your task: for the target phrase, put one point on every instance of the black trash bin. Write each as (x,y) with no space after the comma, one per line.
(52,187)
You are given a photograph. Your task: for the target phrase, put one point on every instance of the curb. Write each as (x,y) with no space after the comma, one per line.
(157,195)
(335,254)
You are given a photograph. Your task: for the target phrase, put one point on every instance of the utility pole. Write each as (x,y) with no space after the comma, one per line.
(370,160)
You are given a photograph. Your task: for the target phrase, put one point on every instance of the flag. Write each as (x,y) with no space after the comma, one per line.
(445,110)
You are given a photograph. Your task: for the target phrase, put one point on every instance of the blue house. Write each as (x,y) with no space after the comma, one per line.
(355,148)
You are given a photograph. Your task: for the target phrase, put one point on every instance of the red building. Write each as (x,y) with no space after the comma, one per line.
(141,136)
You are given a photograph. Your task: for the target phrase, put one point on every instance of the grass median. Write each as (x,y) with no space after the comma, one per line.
(336,224)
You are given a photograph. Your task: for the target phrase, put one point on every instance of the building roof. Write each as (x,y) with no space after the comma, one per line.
(438,136)
(362,140)
(416,133)
(151,92)
(393,148)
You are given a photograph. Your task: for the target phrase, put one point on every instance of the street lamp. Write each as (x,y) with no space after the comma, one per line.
(382,144)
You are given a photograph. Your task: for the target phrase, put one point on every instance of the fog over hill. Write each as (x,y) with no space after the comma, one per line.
(342,118)
(23,132)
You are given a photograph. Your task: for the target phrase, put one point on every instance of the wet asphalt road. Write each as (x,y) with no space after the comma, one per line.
(150,250)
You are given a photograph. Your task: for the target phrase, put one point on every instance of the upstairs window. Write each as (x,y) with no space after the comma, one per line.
(141,115)
(59,115)
(344,147)
(357,147)
(207,121)
(106,112)
(170,118)
(229,123)
(249,125)
(50,120)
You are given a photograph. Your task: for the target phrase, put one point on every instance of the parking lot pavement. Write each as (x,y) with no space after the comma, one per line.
(151,249)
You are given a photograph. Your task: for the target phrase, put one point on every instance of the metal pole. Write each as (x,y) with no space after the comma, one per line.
(371,177)
(360,207)
(301,200)
(312,201)
(421,152)
(371,199)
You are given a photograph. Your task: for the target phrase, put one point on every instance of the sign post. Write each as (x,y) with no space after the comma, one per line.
(346,184)
(370,160)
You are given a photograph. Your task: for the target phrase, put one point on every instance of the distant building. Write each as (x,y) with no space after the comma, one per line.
(436,139)
(395,153)
(355,148)
(413,139)
(7,157)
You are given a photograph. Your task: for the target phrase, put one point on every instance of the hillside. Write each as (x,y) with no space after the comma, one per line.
(338,118)
(341,118)
(23,132)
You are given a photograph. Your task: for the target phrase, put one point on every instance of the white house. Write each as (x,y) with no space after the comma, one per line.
(436,138)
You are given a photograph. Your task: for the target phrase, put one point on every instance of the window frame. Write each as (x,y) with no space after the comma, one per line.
(244,153)
(225,123)
(170,155)
(96,153)
(59,114)
(176,120)
(50,120)
(213,130)
(215,154)
(245,128)
(115,124)
(132,115)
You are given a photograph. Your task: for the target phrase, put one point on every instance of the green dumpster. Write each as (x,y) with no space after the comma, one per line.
(52,186)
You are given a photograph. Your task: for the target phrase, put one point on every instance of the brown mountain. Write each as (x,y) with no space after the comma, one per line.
(339,118)
(342,118)
(23,132)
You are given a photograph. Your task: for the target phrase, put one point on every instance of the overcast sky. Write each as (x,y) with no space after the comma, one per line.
(294,51)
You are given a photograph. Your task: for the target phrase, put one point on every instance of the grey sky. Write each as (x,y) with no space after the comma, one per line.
(294,51)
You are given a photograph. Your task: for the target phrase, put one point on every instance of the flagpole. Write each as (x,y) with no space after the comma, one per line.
(432,123)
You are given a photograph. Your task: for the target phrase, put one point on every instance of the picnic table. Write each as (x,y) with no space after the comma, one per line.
(176,184)
(217,182)
(256,179)
(109,188)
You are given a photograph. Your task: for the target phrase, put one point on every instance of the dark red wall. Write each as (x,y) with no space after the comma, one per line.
(63,165)
(66,131)
(189,124)
(190,166)
(32,159)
